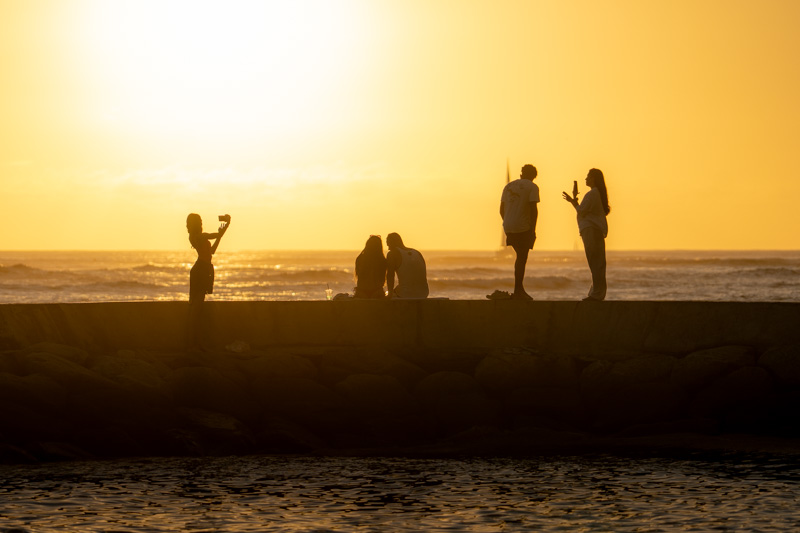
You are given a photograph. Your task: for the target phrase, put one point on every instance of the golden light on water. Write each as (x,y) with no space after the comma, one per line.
(318,123)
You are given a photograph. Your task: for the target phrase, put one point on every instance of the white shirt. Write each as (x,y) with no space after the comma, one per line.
(516,199)
(590,212)
(412,279)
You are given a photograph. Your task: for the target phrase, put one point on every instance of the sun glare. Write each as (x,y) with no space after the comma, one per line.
(183,67)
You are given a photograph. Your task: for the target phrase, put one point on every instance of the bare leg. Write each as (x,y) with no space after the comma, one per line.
(519,272)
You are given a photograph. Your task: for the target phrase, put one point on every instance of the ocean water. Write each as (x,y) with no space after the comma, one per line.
(37,277)
(743,492)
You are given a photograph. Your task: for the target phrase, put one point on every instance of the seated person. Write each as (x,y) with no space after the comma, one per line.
(409,265)
(370,271)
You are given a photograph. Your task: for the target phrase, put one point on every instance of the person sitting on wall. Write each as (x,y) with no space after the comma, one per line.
(370,273)
(409,265)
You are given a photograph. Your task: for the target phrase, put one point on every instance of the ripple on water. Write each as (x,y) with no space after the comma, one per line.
(310,494)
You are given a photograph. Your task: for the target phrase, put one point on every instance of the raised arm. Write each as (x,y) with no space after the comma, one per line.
(218,236)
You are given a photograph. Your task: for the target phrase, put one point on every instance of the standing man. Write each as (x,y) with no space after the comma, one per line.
(520,212)
(409,265)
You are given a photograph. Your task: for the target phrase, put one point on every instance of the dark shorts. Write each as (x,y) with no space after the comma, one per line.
(521,240)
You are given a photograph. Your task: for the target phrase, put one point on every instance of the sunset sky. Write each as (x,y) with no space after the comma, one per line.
(315,124)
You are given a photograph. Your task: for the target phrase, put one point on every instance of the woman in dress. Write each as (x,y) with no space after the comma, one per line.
(370,274)
(592,224)
(201,277)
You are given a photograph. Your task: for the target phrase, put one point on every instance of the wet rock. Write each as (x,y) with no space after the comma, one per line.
(9,343)
(8,363)
(107,441)
(337,366)
(376,394)
(34,390)
(213,421)
(457,412)
(70,353)
(783,410)
(221,360)
(549,402)
(68,374)
(238,347)
(278,435)
(705,426)
(208,388)
(10,454)
(132,374)
(453,401)
(606,378)
(182,441)
(218,432)
(644,369)
(700,368)
(618,407)
(279,365)
(784,364)
(745,385)
(156,360)
(503,371)
(299,399)
(432,360)
(60,451)
(90,409)
(441,384)
(21,423)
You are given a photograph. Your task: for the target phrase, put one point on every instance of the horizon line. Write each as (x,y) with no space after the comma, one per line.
(437,250)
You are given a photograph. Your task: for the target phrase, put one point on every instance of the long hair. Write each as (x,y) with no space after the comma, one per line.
(371,258)
(600,183)
(194,225)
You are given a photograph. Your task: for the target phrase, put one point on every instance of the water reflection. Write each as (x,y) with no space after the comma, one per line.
(309,494)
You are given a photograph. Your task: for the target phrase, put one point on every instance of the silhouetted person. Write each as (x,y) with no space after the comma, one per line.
(520,213)
(593,227)
(409,265)
(370,272)
(201,277)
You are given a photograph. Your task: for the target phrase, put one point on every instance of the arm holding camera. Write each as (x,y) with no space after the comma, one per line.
(226,221)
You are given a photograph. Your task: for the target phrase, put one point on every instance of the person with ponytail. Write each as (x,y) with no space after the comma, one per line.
(593,227)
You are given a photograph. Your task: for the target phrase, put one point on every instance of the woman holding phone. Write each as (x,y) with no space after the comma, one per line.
(201,277)
(592,224)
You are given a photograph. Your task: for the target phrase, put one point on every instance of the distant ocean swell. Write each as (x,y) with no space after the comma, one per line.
(38,277)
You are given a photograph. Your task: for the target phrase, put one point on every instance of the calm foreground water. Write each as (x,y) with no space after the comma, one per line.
(742,492)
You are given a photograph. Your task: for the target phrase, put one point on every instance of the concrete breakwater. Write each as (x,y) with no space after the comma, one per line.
(432,376)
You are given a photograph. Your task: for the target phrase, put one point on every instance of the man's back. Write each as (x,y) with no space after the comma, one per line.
(517,197)
(412,280)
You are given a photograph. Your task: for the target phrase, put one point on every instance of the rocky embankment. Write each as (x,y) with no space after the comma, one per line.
(62,401)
